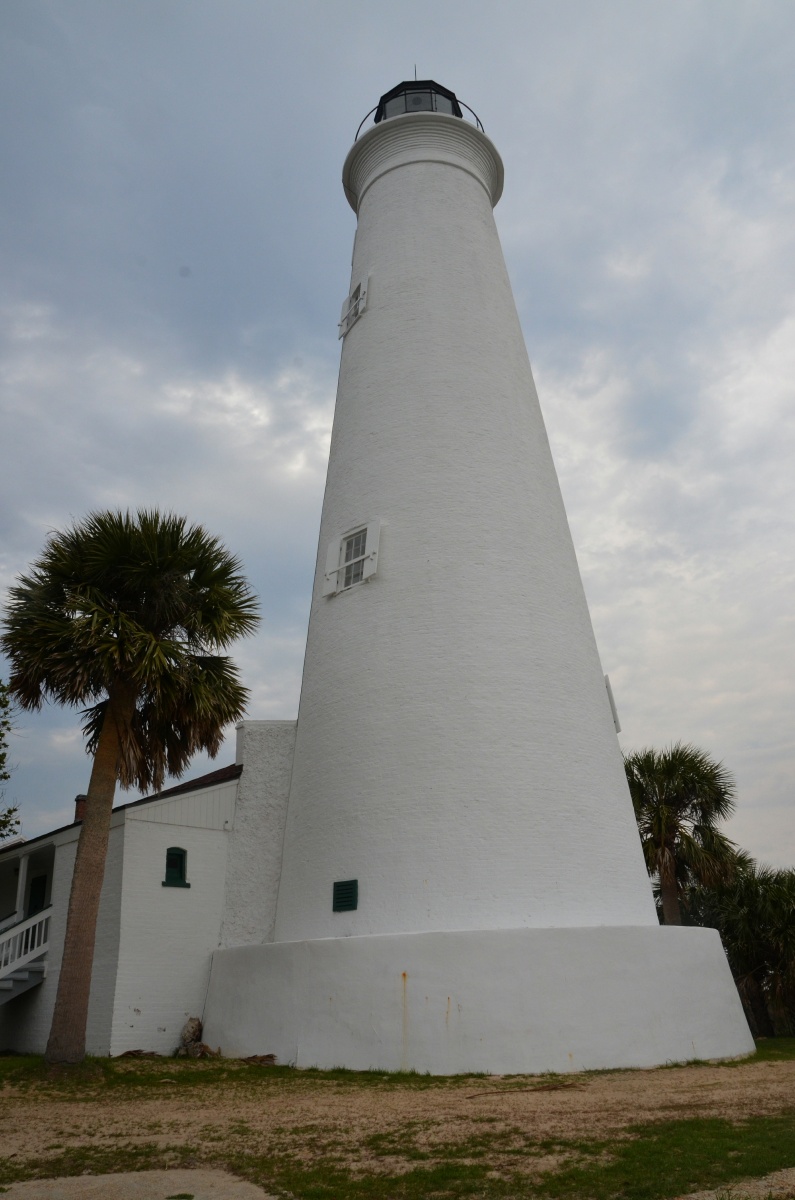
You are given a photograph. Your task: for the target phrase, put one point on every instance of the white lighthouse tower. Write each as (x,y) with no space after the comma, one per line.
(462,885)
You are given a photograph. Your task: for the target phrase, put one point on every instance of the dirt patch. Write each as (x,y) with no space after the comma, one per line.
(139,1185)
(780,1185)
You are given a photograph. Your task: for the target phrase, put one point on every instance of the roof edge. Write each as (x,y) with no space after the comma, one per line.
(210,779)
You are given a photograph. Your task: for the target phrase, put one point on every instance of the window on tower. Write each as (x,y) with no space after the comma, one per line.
(353,307)
(352,558)
(354,555)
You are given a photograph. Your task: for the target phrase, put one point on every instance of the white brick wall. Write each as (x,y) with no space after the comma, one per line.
(499,1001)
(167,934)
(153,944)
(255,845)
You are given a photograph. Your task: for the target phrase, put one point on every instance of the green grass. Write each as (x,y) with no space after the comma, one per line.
(654,1162)
(414,1160)
(98,1160)
(120,1075)
(780,1049)
(675,1157)
(130,1074)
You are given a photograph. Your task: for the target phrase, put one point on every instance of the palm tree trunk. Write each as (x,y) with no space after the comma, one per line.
(670,901)
(67,1041)
(757,1002)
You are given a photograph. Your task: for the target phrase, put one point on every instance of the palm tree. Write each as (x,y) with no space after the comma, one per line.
(755,915)
(9,819)
(9,822)
(679,795)
(125,614)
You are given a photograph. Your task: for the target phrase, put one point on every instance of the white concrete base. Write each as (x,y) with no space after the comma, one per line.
(500,1001)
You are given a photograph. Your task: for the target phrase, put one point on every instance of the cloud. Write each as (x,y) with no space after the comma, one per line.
(686,554)
(103,426)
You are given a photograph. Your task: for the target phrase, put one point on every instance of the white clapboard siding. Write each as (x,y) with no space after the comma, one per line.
(211,808)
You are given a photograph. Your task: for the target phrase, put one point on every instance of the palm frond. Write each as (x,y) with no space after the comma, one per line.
(142,597)
(679,794)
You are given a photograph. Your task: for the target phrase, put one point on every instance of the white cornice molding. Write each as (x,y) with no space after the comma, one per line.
(421,137)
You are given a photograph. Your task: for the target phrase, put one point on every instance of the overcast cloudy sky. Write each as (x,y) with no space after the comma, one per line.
(176,246)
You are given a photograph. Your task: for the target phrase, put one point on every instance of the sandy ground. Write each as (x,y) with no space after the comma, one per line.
(140,1185)
(370,1126)
(781,1185)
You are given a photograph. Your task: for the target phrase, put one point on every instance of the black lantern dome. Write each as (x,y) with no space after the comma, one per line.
(417,95)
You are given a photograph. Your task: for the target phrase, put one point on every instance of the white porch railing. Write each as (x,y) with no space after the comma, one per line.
(24,942)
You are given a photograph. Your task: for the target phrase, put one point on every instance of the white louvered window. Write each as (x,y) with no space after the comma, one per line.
(353,307)
(613,708)
(352,559)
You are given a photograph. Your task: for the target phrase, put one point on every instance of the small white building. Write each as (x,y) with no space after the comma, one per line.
(188,870)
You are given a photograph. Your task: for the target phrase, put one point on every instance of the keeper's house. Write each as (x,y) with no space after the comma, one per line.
(189,870)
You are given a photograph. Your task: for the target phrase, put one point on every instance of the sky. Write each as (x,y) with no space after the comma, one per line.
(176,247)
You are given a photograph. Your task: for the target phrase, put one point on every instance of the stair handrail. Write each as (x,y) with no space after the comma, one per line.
(12,924)
(8,920)
(26,940)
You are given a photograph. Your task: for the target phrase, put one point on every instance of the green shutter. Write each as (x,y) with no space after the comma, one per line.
(346,895)
(176,864)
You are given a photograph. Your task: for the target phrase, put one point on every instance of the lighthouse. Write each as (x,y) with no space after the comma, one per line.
(461,881)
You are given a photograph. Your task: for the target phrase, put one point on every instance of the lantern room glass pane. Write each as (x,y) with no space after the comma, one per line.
(419,102)
(396,106)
